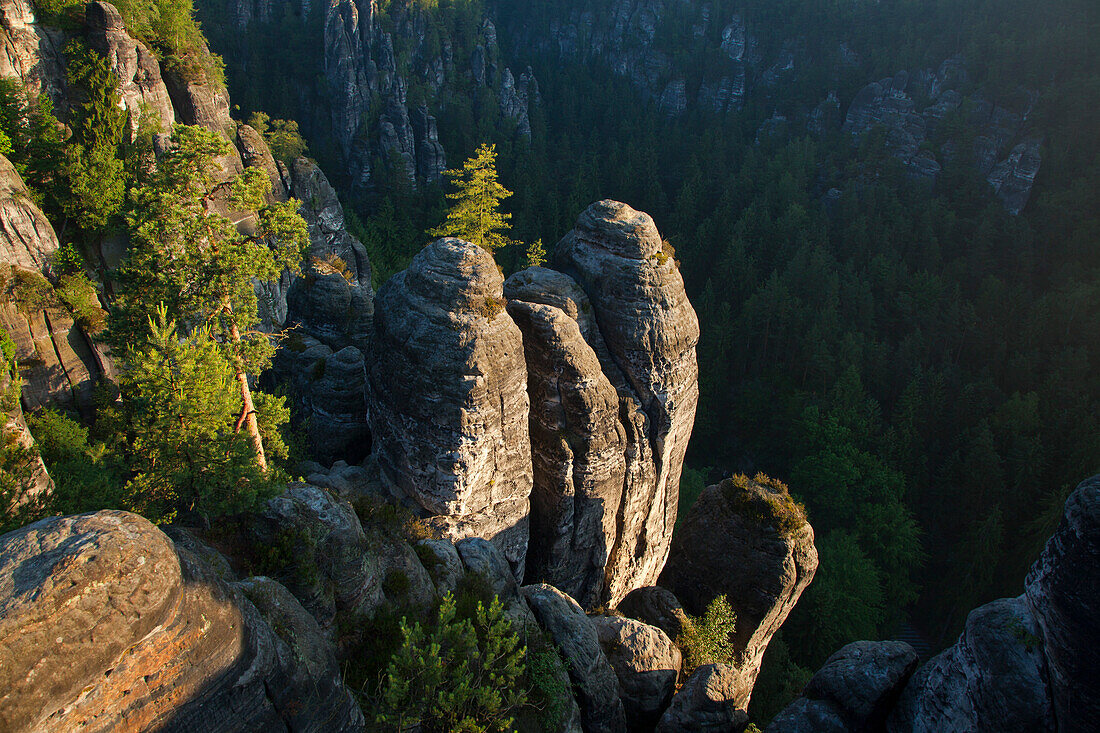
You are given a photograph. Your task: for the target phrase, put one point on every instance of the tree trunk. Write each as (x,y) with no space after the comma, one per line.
(248,411)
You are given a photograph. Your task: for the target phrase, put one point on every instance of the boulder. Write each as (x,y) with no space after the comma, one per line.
(1063,595)
(855,689)
(655,606)
(647,664)
(649,332)
(712,700)
(749,541)
(105,625)
(595,685)
(447,396)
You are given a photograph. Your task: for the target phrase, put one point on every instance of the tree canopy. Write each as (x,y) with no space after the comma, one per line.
(475,215)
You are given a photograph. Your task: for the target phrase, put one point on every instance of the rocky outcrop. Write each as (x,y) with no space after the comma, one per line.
(27,483)
(447,395)
(58,363)
(577,442)
(712,700)
(1021,664)
(647,664)
(1063,590)
(595,685)
(30,51)
(648,331)
(655,606)
(991,679)
(106,624)
(854,691)
(1013,178)
(140,86)
(750,542)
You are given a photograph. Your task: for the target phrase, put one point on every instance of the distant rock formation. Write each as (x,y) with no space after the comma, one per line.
(1029,663)
(447,391)
(749,542)
(105,623)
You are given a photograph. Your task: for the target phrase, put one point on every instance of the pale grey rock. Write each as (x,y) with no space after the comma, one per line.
(1063,595)
(711,701)
(255,153)
(647,664)
(141,88)
(441,560)
(649,332)
(431,158)
(991,679)
(26,238)
(447,395)
(105,624)
(577,446)
(31,52)
(761,566)
(595,685)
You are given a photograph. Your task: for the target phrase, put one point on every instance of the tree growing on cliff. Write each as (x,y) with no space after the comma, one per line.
(190,258)
(475,215)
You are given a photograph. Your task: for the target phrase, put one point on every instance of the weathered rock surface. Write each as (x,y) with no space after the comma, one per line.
(650,330)
(105,625)
(29,51)
(141,88)
(595,685)
(58,362)
(647,664)
(1063,594)
(655,606)
(334,565)
(1014,176)
(749,542)
(991,679)
(855,689)
(24,494)
(447,393)
(577,446)
(713,700)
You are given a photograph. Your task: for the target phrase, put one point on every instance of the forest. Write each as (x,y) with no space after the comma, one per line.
(919,365)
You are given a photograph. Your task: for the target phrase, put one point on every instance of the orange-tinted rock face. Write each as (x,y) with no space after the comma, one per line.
(106,625)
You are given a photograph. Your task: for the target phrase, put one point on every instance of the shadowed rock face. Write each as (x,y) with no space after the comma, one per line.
(105,625)
(646,662)
(447,395)
(709,702)
(749,543)
(1063,594)
(643,331)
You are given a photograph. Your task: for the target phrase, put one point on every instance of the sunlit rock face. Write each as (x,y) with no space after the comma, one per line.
(646,346)
(106,625)
(447,389)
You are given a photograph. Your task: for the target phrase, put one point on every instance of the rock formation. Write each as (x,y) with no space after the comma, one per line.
(105,623)
(447,391)
(646,347)
(1021,664)
(647,664)
(854,691)
(58,362)
(750,542)
(31,52)
(595,684)
(711,701)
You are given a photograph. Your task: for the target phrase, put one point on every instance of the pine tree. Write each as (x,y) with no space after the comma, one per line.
(193,260)
(535,254)
(475,215)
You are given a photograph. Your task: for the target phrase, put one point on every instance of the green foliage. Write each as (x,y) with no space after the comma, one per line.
(475,215)
(458,674)
(87,475)
(692,483)
(706,639)
(179,405)
(535,254)
(772,506)
(282,136)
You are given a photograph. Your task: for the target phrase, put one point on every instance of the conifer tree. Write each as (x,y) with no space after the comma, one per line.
(475,215)
(192,259)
